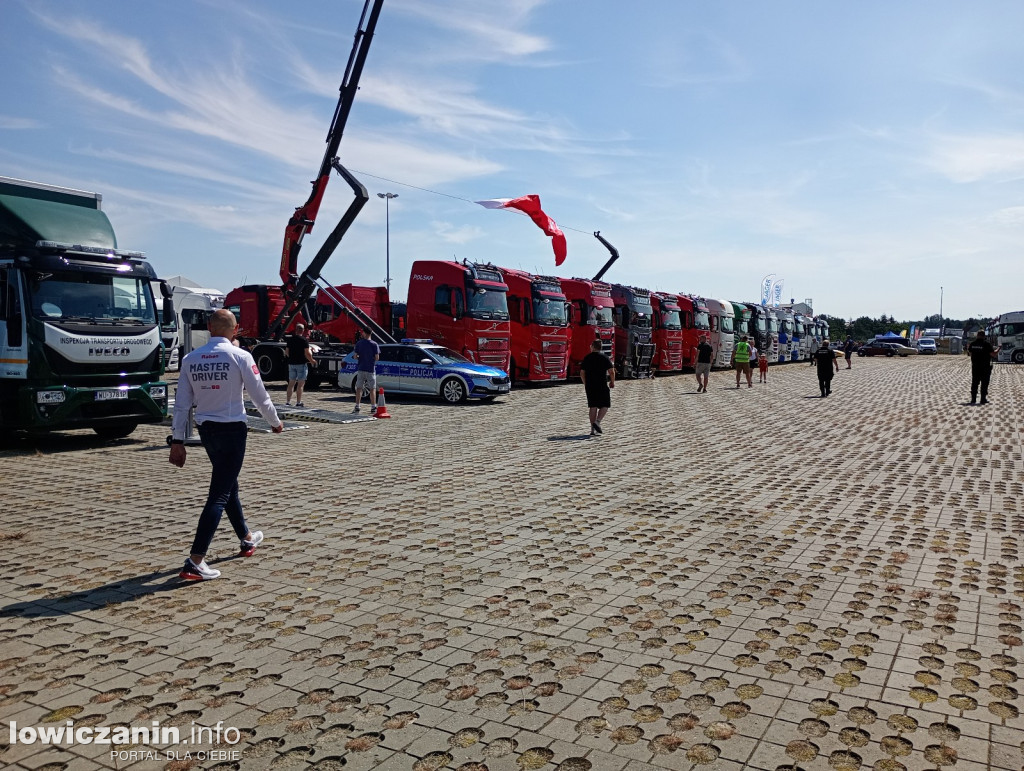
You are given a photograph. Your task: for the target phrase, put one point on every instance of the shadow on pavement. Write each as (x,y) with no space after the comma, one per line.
(570,438)
(101,596)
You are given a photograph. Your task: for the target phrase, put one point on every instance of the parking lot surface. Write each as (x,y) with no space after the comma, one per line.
(754,578)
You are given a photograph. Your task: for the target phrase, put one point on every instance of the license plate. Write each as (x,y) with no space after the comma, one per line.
(104,396)
(503,389)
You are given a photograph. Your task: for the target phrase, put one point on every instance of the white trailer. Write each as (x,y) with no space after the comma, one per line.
(1007,331)
(187,295)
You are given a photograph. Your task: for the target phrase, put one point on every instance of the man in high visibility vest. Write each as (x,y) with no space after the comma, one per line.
(741,360)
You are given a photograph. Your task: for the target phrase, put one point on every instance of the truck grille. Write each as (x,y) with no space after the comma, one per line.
(554,363)
(672,360)
(499,360)
(135,372)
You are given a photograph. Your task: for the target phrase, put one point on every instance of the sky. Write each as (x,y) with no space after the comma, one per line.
(870,154)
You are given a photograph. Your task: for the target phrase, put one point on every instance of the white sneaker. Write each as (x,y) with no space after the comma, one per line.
(247,548)
(201,572)
(299,404)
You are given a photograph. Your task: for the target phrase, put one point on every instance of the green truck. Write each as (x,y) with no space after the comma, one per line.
(80,343)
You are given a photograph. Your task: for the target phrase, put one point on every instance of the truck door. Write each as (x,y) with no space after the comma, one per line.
(13,339)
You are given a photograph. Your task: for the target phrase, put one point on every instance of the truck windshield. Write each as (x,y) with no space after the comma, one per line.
(786,326)
(641,317)
(447,356)
(701,320)
(727,325)
(761,325)
(486,303)
(100,297)
(549,311)
(742,327)
(773,325)
(670,320)
(601,317)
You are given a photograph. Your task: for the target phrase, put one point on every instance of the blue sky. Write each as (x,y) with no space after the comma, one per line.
(866,153)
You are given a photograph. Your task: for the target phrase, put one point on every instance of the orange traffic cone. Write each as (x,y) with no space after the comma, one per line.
(382,407)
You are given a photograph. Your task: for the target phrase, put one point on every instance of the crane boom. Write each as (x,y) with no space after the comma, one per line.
(613,258)
(304,218)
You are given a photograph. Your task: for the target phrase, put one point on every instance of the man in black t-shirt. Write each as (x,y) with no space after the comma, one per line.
(826,359)
(597,372)
(982,353)
(703,354)
(299,357)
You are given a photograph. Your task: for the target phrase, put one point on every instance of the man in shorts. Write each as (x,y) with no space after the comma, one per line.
(703,355)
(848,348)
(367,353)
(741,360)
(299,357)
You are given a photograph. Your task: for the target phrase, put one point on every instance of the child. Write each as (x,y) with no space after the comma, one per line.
(755,357)
(762,369)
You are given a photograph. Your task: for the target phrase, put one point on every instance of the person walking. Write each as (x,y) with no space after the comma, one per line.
(848,347)
(367,353)
(300,357)
(703,354)
(212,378)
(741,360)
(982,353)
(762,368)
(826,359)
(597,372)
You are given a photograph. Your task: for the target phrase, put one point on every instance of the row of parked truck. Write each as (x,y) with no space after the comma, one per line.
(81,327)
(537,328)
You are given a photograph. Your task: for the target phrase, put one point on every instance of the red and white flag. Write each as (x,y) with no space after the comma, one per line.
(530,205)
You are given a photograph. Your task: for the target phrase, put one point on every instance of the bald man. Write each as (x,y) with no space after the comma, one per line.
(212,379)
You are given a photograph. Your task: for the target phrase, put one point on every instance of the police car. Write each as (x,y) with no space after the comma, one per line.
(420,367)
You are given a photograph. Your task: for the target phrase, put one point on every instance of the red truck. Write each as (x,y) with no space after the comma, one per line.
(668,332)
(539,326)
(462,306)
(590,318)
(329,319)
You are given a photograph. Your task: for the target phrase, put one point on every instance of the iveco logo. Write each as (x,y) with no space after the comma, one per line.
(110,351)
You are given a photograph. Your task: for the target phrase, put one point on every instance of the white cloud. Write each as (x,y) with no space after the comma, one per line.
(484,38)
(973,158)
(13,123)
(455,234)
(1011,216)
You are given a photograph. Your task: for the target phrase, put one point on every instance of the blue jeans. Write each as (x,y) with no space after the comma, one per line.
(225,445)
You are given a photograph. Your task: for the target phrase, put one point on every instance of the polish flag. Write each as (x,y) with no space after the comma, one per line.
(530,205)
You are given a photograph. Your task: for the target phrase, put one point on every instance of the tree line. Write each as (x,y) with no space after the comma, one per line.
(865,327)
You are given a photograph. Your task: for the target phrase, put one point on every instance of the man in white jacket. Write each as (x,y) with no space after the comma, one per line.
(212,379)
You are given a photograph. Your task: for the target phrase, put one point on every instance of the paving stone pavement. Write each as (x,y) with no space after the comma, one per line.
(751,579)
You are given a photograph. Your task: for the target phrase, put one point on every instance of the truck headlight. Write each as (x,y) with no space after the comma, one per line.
(158,392)
(49,397)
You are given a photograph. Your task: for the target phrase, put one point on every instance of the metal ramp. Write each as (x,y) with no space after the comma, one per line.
(309,415)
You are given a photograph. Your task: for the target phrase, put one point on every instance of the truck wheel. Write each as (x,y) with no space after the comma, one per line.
(271,363)
(453,391)
(116,430)
(1018,357)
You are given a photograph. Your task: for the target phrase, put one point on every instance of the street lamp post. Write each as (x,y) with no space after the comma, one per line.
(387,236)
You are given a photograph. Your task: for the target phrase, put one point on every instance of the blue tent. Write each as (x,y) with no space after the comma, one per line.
(890,337)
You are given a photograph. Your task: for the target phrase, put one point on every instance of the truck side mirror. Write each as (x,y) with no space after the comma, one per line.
(169,319)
